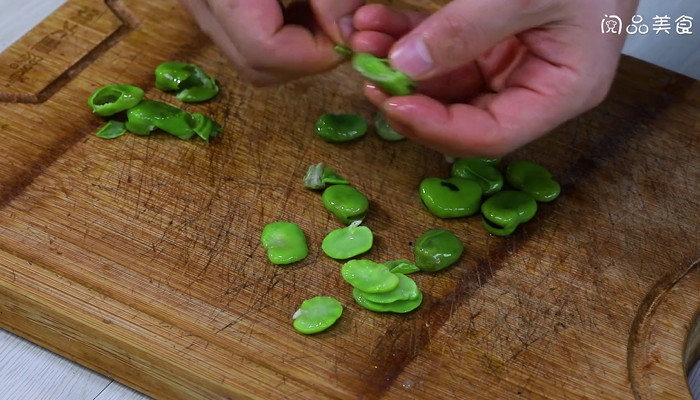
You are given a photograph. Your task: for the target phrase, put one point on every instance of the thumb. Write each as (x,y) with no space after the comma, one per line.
(336,17)
(463,30)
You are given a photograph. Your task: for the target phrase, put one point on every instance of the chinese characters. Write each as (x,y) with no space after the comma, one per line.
(660,25)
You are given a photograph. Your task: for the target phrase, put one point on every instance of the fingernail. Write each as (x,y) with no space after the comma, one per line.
(412,57)
(346,27)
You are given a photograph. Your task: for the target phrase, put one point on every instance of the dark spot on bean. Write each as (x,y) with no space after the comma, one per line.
(450,186)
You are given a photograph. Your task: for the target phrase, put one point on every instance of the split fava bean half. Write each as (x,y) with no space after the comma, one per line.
(399,306)
(336,128)
(190,82)
(376,288)
(369,276)
(347,242)
(450,198)
(285,242)
(379,71)
(317,314)
(533,179)
(481,171)
(345,202)
(111,99)
(505,210)
(406,290)
(437,249)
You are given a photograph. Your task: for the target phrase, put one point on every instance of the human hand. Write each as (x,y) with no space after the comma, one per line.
(271,45)
(493,75)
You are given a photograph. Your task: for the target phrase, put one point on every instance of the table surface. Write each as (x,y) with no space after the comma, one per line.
(44,374)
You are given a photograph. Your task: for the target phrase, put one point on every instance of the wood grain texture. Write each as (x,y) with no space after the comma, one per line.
(140,257)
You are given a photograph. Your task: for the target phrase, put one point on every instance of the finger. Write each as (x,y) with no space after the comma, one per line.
(336,17)
(458,86)
(256,27)
(380,18)
(493,124)
(211,26)
(464,29)
(376,43)
(375,95)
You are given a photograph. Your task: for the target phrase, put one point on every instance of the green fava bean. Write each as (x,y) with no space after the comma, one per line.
(335,128)
(190,81)
(347,242)
(406,290)
(112,129)
(345,202)
(384,130)
(111,99)
(400,306)
(437,249)
(533,179)
(318,176)
(504,211)
(401,266)
(379,71)
(481,172)
(450,198)
(148,115)
(317,314)
(369,276)
(285,242)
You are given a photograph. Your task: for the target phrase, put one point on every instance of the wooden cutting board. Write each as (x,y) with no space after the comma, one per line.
(140,257)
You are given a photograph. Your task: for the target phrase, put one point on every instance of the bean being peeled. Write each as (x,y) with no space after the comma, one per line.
(379,71)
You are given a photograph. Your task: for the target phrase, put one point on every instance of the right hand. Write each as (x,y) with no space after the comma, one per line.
(493,74)
(265,47)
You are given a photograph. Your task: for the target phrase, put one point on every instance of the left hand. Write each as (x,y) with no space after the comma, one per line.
(271,44)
